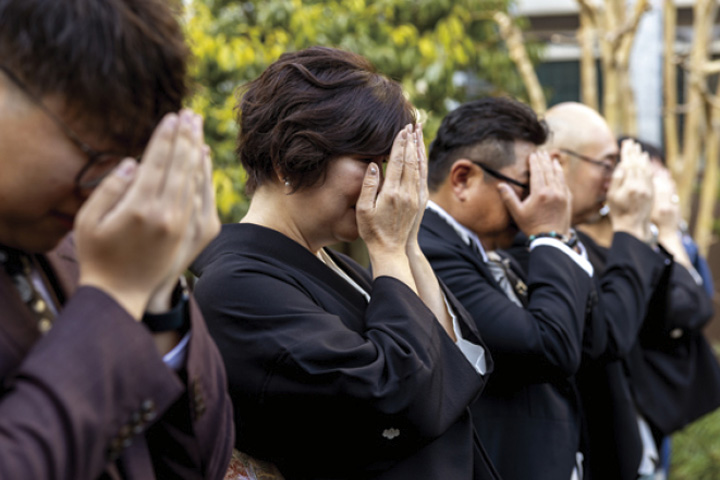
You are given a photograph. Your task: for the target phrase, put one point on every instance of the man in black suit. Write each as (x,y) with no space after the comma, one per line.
(487,181)
(645,360)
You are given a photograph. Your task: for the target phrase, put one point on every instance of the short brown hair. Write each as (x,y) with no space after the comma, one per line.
(118,65)
(312,106)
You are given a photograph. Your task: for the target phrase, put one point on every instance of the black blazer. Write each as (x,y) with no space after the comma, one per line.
(624,284)
(674,375)
(327,385)
(528,416)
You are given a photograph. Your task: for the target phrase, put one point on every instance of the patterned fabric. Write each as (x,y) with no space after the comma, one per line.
(244,467)
(514,288)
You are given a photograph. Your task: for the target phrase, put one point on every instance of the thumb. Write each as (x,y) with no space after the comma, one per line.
(510,199)
(108,193)
(370,186)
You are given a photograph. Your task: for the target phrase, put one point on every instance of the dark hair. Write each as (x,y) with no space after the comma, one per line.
(652,150)
(118,65)
(312,106)
(483,130)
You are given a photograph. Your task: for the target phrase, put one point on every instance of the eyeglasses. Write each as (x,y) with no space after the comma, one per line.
(99,164)
(500,176)
(607,165)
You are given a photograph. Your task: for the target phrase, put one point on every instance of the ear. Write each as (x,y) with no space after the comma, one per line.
(461,177)
(279,174)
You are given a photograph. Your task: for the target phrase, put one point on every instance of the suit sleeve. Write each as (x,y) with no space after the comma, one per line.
(97,370)
(196,434)
(537,343)
(309,386)
(626,283)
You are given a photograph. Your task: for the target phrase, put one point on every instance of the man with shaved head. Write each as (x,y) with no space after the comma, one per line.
(631,277)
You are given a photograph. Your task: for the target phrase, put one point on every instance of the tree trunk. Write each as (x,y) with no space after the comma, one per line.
(670,87)
(709,188)
(588,70)
(695,119)
(516,49)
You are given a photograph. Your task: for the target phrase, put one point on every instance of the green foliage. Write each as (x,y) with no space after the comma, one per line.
(696,450)
(441,51)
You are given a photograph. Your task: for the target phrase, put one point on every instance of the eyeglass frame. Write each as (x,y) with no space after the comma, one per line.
(94,156)
(608,169)
(500,176)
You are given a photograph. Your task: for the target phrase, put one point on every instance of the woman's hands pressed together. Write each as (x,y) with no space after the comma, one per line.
(387,210)
(389,218)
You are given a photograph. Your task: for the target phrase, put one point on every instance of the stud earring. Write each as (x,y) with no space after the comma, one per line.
(287,182)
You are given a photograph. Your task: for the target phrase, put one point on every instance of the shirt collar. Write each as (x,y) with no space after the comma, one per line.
(465,234)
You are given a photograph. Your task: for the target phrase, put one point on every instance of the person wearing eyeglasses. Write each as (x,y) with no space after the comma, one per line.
(632,275)
(107,368)
(488,178)
(673,373)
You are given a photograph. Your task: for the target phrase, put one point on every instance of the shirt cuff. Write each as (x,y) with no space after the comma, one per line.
(475,354)
(177,357)
(580,259)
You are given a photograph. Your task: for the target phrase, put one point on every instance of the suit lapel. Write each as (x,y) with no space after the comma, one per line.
(445,233)
(64,270)
(17,326)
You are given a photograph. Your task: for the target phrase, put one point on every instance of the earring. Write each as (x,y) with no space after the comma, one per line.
(287,182)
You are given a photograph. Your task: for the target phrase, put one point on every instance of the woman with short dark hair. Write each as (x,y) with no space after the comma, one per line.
(335,372)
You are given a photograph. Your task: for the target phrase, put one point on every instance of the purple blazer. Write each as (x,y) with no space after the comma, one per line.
(93,399)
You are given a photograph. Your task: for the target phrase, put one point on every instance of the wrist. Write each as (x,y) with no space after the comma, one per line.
(162,299)
(134,302)
(569,239)
(641,231)
(175,318)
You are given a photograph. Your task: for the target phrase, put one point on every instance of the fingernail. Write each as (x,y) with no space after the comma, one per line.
(171,120)
(126,169)
(187,118)
(373,169)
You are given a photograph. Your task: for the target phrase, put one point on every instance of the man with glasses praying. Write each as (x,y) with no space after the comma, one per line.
(106,365)
(631,278)
(487,180)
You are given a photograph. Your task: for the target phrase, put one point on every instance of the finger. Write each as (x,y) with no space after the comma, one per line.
(186,162)
(155,160)
(207,188)
(618,177)
(422,154)
(369,191)
(510,199)
(537,173)
(209,208)
(108,194)
(422,162)
(410,160)
(394,170)
(549,170)
(559,175)
(626,157)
